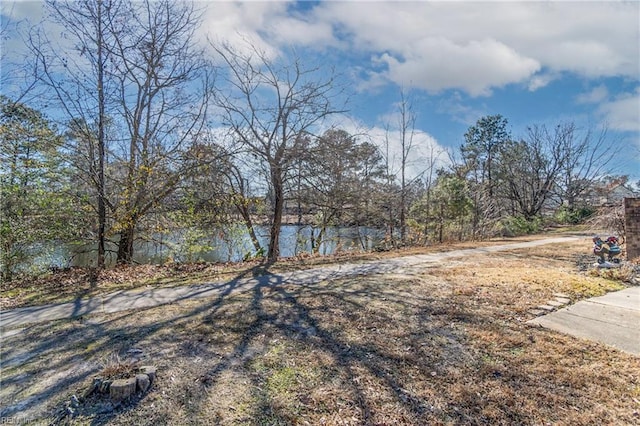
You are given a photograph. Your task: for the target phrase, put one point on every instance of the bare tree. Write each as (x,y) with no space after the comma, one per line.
(218,193)
(271,108)
(526,171)
(422,207)
(407,121)
(391,193)
(405,128)
(137,65)
(78,83)
(240,193)
(550,163)
(587,157)
(164,85)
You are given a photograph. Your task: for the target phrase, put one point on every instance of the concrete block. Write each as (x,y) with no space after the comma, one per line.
(142,382)
(547,308)
(150,371)
(122,389)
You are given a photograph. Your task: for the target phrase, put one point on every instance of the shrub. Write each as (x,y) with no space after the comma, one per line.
(574,216)
(519,225)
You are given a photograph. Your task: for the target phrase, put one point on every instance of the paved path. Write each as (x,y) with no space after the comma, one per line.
(135,299)
(613,319)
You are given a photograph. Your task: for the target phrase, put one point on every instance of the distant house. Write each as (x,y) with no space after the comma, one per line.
(611,192)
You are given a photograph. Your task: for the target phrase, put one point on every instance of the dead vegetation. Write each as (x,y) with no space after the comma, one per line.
(446,344)
(67,284)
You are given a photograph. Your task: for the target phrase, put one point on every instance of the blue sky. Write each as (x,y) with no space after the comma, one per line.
(532,62)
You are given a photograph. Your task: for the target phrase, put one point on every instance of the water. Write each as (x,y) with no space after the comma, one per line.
(229,244)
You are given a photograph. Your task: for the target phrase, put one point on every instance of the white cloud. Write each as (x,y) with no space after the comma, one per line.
(240,23)
(426,150)
(268,25)
(437,64)
(373,82)
(460,110)
(23,10)
(472,46)
(479,46)
(596,95)
(540,80)
(620,112)
(623,112)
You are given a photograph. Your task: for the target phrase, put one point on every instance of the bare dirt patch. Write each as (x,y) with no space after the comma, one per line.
(444,344)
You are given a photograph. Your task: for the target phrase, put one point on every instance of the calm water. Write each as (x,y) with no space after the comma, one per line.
(222,245)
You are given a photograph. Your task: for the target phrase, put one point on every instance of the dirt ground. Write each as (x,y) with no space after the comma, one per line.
(444,344)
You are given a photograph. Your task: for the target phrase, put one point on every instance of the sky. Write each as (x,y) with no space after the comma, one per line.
(532,62)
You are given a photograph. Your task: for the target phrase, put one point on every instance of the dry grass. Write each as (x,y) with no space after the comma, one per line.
(71,284)
(441,345)
(115,368)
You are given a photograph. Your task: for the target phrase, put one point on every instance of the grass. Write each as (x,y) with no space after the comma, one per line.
(69,285)
(444,344)
(115,368)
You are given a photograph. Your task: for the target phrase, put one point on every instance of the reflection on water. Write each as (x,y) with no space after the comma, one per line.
(221,245)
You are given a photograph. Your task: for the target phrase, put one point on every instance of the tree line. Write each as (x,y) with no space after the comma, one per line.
(151,135)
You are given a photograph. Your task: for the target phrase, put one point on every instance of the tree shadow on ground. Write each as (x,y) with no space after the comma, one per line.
(44,350)
(273,343)
(66,344)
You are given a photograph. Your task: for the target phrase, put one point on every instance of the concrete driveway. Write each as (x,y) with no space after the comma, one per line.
(613,319)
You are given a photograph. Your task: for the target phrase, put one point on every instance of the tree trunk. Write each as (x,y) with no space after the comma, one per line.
(571,203)
(312,238)
(315,249)
(102,212)
(403,208)
(427,213)
(441,225)
(391,226)
(276,222)
(125,245)
(7,261)
(246,216)
(102,220)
